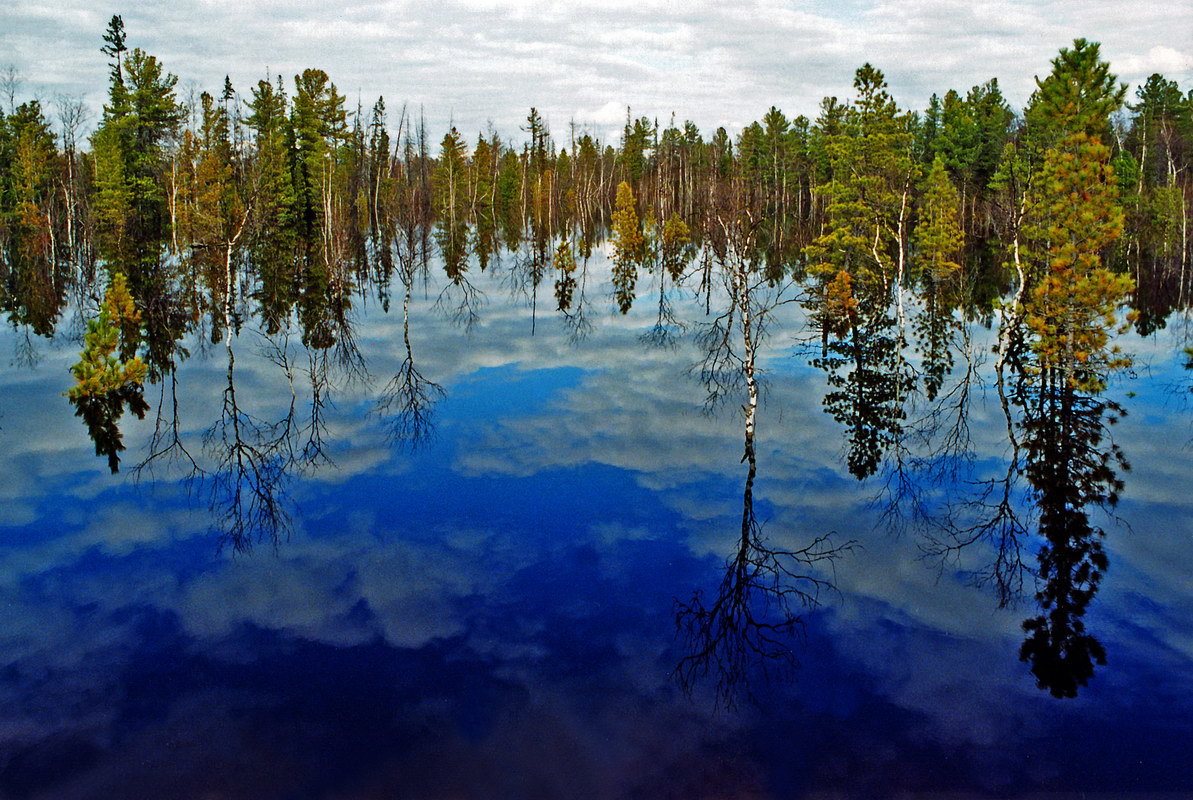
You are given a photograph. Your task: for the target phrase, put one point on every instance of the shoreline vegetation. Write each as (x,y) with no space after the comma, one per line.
(287,181)
(1061,227)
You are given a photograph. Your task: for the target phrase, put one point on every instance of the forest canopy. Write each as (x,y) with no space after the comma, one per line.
(286,180)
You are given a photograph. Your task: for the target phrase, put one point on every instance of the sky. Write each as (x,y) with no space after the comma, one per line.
(476,63)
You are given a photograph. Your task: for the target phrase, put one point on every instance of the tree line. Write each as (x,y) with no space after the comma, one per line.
(289,183)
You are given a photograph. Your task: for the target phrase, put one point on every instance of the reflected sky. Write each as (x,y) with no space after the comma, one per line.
(492,614)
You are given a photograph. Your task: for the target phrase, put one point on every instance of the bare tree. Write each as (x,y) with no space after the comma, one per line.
(757,611)
(407,402)
(10,85)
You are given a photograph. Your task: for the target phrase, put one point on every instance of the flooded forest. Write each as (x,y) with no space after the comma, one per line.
(968,283)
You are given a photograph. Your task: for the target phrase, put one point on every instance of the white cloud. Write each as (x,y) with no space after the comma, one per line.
(481,60)
(1167,61)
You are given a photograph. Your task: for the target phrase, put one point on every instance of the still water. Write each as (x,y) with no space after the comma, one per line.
(460,570)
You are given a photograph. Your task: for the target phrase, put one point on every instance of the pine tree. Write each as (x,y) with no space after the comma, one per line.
(1074,215)
(320,125)
(28,168)
(1079,95)
(937,237)
(272,235)
(114,46)
(628,244)
(450,188)
(872,171)
(141,113)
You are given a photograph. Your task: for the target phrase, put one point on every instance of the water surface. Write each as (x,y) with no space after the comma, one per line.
(477,595)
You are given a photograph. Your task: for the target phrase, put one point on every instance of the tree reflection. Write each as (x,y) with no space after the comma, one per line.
(1070,466)
(570,292)
(110,375)
(994,516)
(1056,341)
(407,402)
(248,480)
(101,414)
(757,609)
(862,358)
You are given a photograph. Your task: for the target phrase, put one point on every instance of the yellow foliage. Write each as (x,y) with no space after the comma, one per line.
(840,306)
(100,371)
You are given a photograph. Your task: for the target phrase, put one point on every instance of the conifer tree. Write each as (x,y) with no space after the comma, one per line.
(320,125)
(1079,95)
(141,113)
(872,172)
(628,244)
(272,235)
(28,168)
(114,46)
(451,202)
(635,142)
(1074,217)
(937,236)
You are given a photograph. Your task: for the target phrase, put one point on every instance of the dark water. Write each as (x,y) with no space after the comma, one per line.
(492,613)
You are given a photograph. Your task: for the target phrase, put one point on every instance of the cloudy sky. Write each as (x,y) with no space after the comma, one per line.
(473,62)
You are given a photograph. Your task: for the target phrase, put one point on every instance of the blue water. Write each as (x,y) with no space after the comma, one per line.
(491,613)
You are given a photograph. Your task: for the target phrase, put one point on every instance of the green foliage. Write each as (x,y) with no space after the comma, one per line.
(1163,212)
(872,169)
(141,113)
(450,184)
(937,237)
(218,206)
(1078,96)
(1074,216)
(300,179)
(100,371)
(972,133)
(482,175)
(509,182)
(1161,118)
(271,238)
(829,125)
(451,205)
(636,139)
(114,45)
(721,153)
(929,130)
(28,166)
(565,284)
(320,127)
(113,202)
